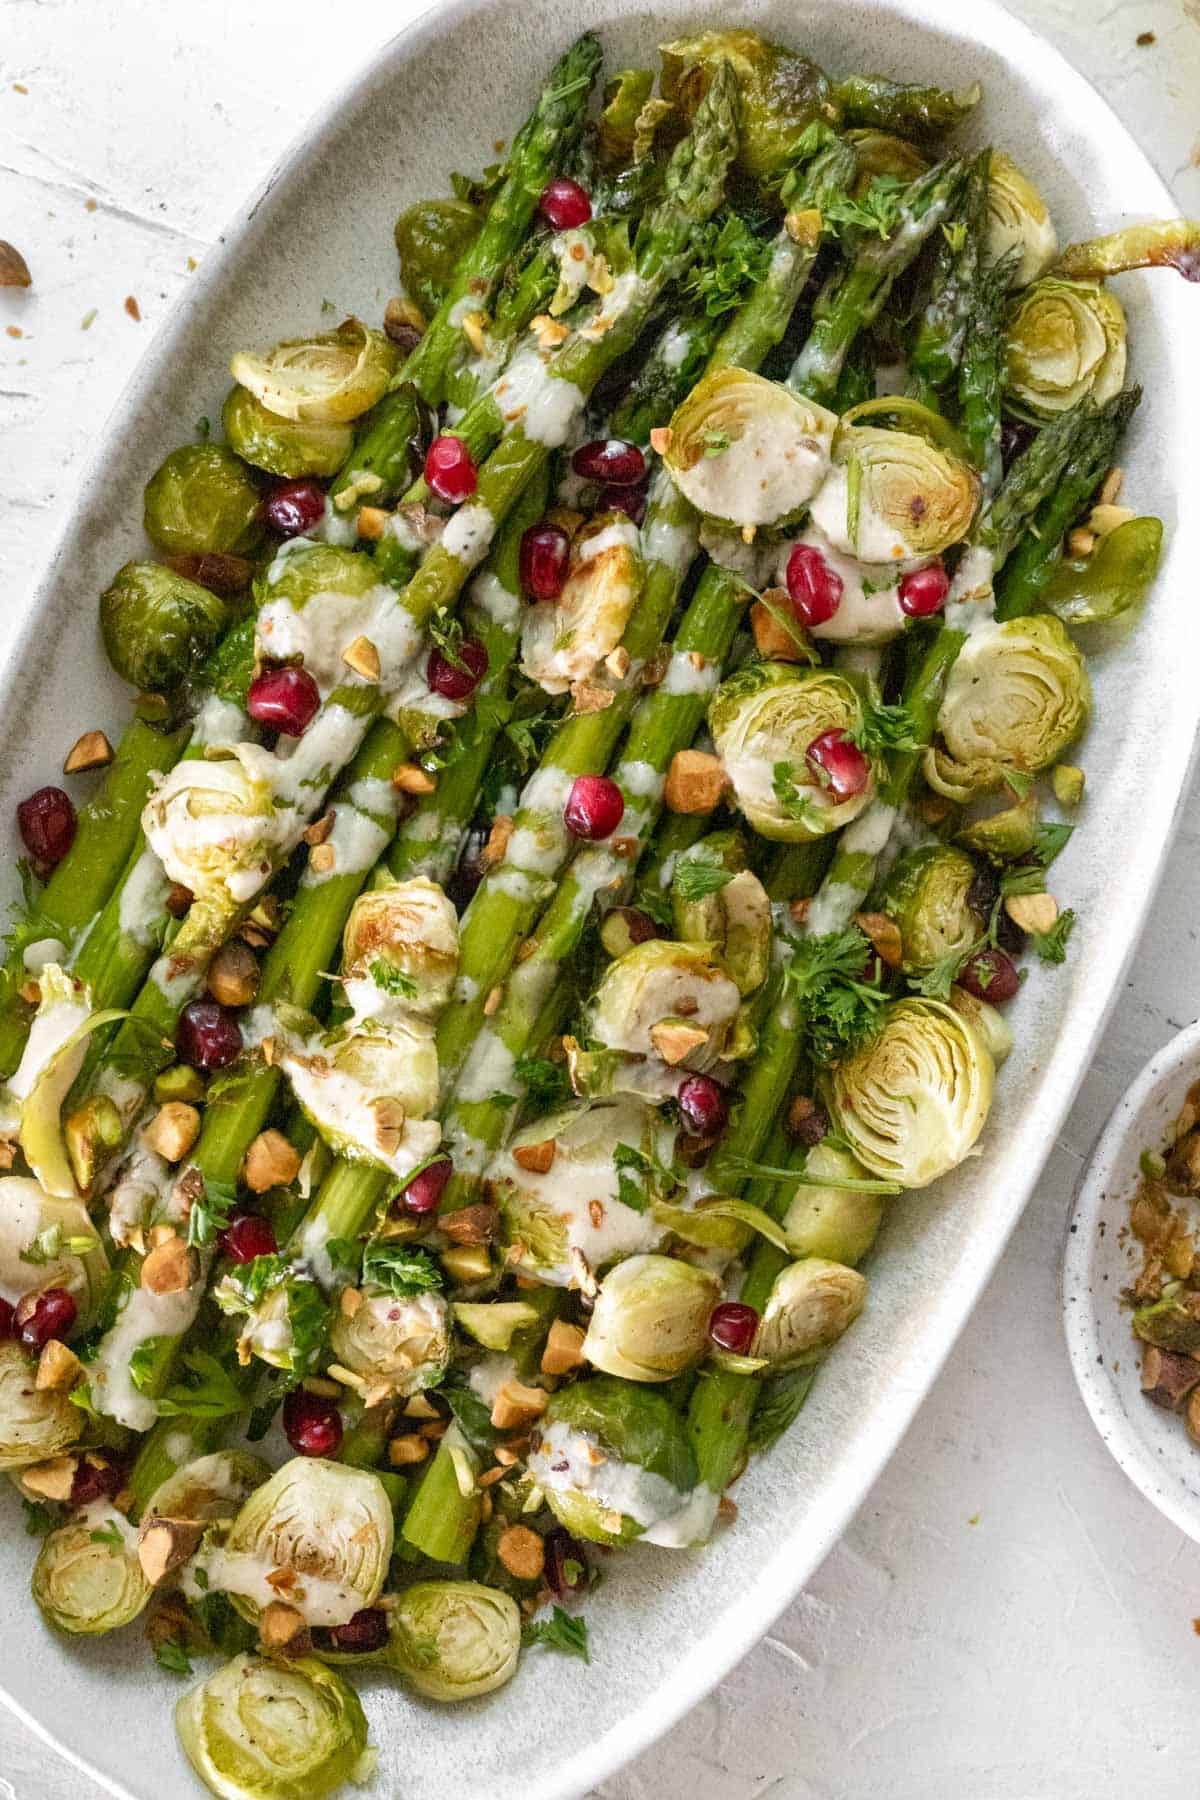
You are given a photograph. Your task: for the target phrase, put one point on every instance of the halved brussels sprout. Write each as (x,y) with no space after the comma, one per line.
(329,1525)
(157,626)
(87,1578)
(208,1487)
(1065,341)
(369,1091)
(763,719)
(928,895)
(912,1102)
(202,499)
(747,451)
(213,826)
(835,1222)
(432,236)
(781,92)
(1112,581)
(259,1730)
(883,153)
(644,1476)
(1018,694)
(283,1312)
(894,497)
(563,641)
(453,1640)
(286,447)
(47,1241)
(716,900)
(573,1210)
(50,1062)
(1006,834)
(35,1423)
(661,991)
(397,1347)
(315,599)
(650,1320)
(400,949)
(1018,219)
(988,1021)
(811,1304)
(330,378)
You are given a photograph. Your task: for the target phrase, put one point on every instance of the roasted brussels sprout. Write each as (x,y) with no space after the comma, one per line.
(835,1222)
(342,588)
(563,641)
(764,719)
(650,1320)
(35,1423)
(395,1346)
(1018,220)
(259,1730)
(47,1241)
(667,1001)
(894,497)
(213,826)
(643,1483)
(52,1058)
(285,447)
(1112,581)
(929,896)
(1005,834)
(912,1102)
(328,379)
(202,499)
(431,238)
(369,1091)
(733,914)
(400,950)
(157,626)
(573,1208)
(1065,342)
(329,1524)
(883,153)
(87,1578)
(208,1487)
(811,1304)
(453,1640)
(746,451)
(625,94)
(1018,694)
(282,1312)
(781,92)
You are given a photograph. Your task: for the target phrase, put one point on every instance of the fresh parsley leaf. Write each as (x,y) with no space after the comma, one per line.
(1028,875)
(393,981)
(1051,945)
(936,982)
(695,878)
(716,443)
(401,1271)
(206,1392)
(143,1361)
(880,209)
(885,728)
(447,633)
(108,1534)
(731,261)
(346,1256)
(633,1171)
(546,1083)
(210,1214)
(560,1632)
(839,1007)
(172,1657)
(39,1518)
(1019,781)
(793,804)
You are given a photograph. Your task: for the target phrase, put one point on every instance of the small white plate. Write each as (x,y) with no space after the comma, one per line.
(1149,1443)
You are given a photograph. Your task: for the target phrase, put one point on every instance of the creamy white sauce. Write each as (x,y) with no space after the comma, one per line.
(674,346)
(683,677)
(767,474)
(144,1315)
(143,900)
(318,1600)
(573,1461)
(138,1194)
(219,722)
(547,407)
(861,617)
(44,950)
(24,1214)
(356,841)
(489,1375)
(320,631)
(489,1068)
(728,551)
(875,541)
(617,532)
(469,533)
(495,601)
(641,780)
(55,1021)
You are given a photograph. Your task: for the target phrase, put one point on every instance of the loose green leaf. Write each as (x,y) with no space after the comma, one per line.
(40,1519)
(560,1632)
(108,1534)
(783,784)
(50,1246)
(779,1406)
(401,1271)
(885,728)
(695,878)
(880,209)
(173,1658)
(211,1213)
(731,261)
(392,981)
(1051,945)
(206,1392)
(546,1083)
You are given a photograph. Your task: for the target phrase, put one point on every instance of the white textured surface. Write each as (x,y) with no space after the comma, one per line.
(1042,1651)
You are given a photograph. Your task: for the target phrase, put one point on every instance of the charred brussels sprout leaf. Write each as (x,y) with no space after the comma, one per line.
(202,500)
(1168,244)
(1019,222)
(330,379)
(1113,581)
(157,626)
(431,238)
(781,92)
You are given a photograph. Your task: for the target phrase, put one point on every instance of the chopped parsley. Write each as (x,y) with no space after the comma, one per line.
(955,234)
(400,1271)
(731,261)
(885,728)
(108,1534)
(207,1390)
(716,443)
(39,1519)
(172,1657)
(792,803)
(50,1246)
(562,1632)
(392,980)
(447,634)
(546,1083)
(1051,945)
(695,878)
(211,1212)
(880,209)
(840,1008)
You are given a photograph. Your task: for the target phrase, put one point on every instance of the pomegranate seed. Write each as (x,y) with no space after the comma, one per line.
(924,591)
(564,203)
(838,764)
(40,1317)
(449,470)
(424,1192)
(545,554)
(46,822)
(208,1036)
(454,683)
(285,700)
(702,1106)
(363,1632)
(732,1327)
(6,1319)
(610,460)
(91,1483)
(595,807)
(990,975)
(247,1236)
(815,588)
(294,507)
(628,500)
(311,1424)
(566,1567)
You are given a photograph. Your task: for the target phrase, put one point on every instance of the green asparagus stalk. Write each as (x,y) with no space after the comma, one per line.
(852,299)
(981,376)
(904,107)
(941,334)
(673,365)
